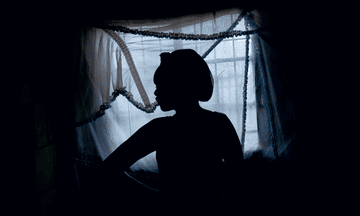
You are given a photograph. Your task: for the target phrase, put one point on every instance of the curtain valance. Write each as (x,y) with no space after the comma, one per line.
(182,36)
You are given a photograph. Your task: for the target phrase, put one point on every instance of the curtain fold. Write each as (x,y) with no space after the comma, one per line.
(276,119)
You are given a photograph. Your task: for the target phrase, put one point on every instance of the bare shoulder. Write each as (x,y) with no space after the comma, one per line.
(161,121)
(221,115)
(217,115)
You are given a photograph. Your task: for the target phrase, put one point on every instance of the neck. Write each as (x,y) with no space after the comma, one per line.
(188,109)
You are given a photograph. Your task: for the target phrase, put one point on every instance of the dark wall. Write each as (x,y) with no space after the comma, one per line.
(46,182)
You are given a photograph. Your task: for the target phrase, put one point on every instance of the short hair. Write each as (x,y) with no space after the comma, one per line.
(186,68)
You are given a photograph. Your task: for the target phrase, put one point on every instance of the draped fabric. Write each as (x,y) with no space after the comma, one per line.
(276,119)
(113,61)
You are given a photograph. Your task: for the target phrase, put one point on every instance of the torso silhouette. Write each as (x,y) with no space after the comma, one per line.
(189,153)
(189,156)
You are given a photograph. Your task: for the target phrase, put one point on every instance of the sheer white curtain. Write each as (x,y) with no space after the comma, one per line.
(105,67)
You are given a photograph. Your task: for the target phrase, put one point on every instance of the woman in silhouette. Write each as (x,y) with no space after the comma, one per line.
(197,150)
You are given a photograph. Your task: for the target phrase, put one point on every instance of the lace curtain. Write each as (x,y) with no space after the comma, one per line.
(114,89)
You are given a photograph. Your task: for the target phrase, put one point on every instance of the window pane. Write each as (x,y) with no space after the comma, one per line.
(251,142)
(225,69)
(207,27)
(219,22)
(167,45)
(232,94)
(226,95)
(240,67)
(212,68)
(232,81)
(240,48)
(152,60)
(188,29)
(137,56)
(224,50)
(251,121)
(240,26)
(189,45)
(225,72)
(224,82)
(210,56)
(239,79)
(197,28)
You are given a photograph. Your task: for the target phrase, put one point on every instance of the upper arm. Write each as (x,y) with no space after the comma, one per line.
(232,150)
(140,144)
(234,159)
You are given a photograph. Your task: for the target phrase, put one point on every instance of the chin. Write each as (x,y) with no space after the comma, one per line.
(165,108)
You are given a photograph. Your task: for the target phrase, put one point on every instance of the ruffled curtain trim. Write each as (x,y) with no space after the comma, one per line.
(245,89)
(182,36)
(106,105)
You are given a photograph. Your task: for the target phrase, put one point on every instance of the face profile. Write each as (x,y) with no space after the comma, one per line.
(182,72)
(164,97)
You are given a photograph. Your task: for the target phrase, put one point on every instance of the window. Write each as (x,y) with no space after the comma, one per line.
(227,64)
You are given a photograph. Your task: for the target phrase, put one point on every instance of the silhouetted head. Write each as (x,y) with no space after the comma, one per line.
(184,76)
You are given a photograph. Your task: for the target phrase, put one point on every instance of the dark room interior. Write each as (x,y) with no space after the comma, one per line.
(48,116)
